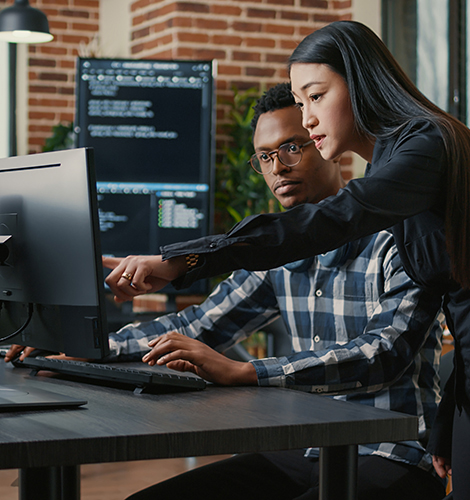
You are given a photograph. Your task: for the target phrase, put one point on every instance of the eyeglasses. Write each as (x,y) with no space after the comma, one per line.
(289,154)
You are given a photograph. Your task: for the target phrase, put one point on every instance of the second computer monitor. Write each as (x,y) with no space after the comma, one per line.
(151,125)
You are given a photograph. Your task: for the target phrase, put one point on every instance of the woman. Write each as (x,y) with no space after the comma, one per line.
(354,96)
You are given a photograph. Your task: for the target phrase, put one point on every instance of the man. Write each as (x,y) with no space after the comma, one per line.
(361,330)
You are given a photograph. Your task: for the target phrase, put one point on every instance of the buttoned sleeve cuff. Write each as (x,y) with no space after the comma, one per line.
(270,372)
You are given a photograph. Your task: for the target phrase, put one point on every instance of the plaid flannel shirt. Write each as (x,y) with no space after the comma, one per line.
(361,332)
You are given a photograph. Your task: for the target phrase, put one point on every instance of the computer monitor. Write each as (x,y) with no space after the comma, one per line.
(151,124)
(51,275)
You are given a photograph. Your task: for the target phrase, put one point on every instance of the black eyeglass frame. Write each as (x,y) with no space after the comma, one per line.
(276,152)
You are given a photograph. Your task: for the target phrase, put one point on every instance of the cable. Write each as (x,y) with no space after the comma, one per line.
(30,315)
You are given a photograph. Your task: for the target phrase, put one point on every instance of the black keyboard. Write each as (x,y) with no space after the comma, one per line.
(130,374)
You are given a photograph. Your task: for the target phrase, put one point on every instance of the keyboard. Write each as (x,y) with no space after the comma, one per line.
(137,375)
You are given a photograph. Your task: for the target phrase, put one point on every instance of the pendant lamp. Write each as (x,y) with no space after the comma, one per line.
(21,23)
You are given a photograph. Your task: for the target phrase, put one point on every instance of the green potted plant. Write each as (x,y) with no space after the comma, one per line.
(240,191)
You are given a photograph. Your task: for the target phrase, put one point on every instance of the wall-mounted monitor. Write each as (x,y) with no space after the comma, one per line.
(151,124)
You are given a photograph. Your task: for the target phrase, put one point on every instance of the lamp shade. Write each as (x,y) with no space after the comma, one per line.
(21,23)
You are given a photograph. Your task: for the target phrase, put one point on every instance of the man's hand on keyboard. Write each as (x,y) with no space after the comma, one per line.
(24,352)
(182,353)
(16,350)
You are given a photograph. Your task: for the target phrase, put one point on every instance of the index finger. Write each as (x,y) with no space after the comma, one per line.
(111,262)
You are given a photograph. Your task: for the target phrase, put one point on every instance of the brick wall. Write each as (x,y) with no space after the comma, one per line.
(251,40)
(51,66)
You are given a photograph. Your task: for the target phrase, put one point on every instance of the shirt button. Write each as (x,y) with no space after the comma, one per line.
(316,338)
(213,245)
(318,293)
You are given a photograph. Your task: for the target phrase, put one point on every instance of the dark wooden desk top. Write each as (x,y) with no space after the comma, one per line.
(117,425)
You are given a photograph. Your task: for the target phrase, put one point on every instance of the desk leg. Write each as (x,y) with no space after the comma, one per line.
(338,473)
(50,483)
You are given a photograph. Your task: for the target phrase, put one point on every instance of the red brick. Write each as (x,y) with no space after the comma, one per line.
(140,33)
(57,26)
(193,37)
(184,53)
(88,4)
(67,64)
(340,5)
(245,85)
(85,27)
(67,91)
(180,22)
(53,77)
(39,128)
(73,39)
(207,54)
(261,72)
(52,48)
(244,26)
(42,89)
(261,13)
(49,2)
(211,24)
(48,63)
(277,58)
(279,28)
(35,115)
(226,10)
(159,27)
(294,15)
(319,4)
(136,49)
(226,69)
(192,7)
(66,117)
(74,13)
(260,42)
(38,141)
(226,40)
(246,56)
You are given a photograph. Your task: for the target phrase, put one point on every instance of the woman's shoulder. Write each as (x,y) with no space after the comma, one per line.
(418,136)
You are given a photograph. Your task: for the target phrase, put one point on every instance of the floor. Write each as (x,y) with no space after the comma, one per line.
(114,481)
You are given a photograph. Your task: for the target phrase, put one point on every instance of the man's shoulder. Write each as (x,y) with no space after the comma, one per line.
(376,244)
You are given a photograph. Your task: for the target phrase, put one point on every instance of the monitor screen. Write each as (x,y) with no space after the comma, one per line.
(51,277)
(151,125)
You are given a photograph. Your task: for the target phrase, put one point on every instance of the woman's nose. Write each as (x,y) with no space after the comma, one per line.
(309,120)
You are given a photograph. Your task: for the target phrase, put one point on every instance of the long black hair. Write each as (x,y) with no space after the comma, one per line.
(384,100)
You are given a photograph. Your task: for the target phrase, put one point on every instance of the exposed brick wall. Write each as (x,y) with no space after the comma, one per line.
(251,40)
(51,88)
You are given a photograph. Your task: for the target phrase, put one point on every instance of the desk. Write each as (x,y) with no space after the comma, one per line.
(116,425)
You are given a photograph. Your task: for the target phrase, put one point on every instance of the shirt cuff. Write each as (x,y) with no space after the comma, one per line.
(269,372)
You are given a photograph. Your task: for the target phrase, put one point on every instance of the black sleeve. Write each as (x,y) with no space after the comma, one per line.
(405,178)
